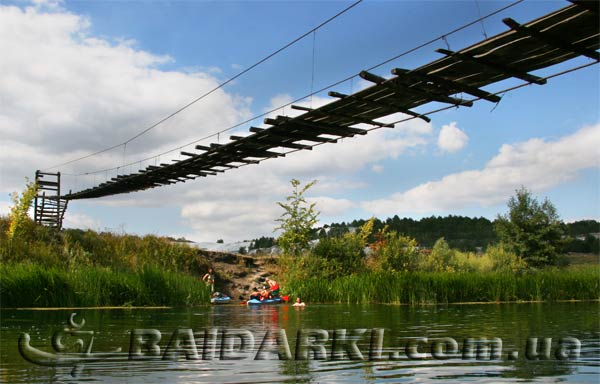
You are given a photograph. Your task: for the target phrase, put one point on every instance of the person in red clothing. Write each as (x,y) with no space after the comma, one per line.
(273,288)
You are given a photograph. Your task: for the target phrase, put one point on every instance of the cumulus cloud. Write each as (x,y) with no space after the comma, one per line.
(328,206)
(451,138)
(64,93)
(377,168)
(221,209)
(537,164)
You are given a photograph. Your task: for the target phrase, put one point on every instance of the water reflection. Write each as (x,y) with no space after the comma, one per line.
(409,334)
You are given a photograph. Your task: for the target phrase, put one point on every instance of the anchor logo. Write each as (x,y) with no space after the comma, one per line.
(75,354)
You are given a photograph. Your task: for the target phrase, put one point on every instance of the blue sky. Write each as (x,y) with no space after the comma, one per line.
(80,76)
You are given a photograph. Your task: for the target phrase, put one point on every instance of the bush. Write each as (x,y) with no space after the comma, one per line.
(396,252)
(440,259)
(345,253)
(504,260)
(471,262)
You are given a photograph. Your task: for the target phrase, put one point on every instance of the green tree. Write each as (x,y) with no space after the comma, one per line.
(18,212)
(531,230)
(397,252)
(345,254)
(297,221)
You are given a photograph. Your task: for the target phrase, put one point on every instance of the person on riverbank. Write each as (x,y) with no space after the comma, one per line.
(209,279)
(298,303)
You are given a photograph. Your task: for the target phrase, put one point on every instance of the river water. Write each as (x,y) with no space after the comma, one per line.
(233,343)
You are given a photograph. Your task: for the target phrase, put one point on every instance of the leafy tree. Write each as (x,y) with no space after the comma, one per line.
(18,212)
(531,230)
(297,220)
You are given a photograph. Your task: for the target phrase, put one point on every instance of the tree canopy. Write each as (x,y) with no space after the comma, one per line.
(531,229)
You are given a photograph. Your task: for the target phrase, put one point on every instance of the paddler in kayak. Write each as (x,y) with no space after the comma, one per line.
(255,295)
(273,288)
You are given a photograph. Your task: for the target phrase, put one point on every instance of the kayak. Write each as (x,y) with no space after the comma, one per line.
(276,300)
(220,300)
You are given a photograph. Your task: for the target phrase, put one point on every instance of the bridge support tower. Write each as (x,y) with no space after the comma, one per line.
(49,207)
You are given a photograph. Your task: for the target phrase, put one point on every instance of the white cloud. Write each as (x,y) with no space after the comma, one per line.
(377,168)
(328,206)
(230,217)
(451,138)
(64,93)
(536,163)
(80,220)
(5,208)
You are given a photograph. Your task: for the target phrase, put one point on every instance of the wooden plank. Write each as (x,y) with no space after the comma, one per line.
(349,117)
(590,5)
(322,128)
(451,86)
(284,144)
(406,111)
(397,86)
(496,66)
(551,40)
(294,135)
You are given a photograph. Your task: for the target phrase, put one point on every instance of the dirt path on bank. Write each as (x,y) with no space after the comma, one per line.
(237,274)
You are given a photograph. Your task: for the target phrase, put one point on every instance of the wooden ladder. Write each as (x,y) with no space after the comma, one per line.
(49,208)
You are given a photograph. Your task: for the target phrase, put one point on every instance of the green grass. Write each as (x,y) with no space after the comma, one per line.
(44,268)
(444,287)
(31,285)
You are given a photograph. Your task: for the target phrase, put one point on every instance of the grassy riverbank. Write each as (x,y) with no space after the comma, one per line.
(31,285)
(73,268)
(581,283)
(396,270)
(45,268)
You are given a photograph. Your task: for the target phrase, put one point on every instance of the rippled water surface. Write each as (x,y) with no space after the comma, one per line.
(200,345)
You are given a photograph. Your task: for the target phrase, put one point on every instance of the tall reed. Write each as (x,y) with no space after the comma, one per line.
(443,287)
(31,285)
